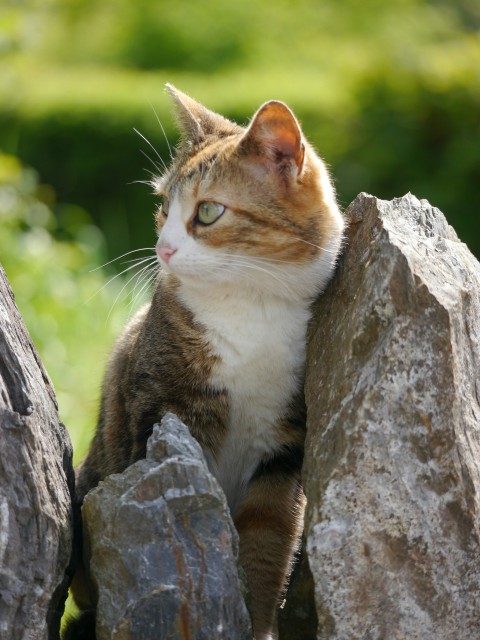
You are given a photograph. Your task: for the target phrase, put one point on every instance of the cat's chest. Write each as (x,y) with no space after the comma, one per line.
(259,357)
(259,345)
(260,350)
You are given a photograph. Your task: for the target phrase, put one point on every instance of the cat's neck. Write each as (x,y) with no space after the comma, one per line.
(250,305)
(243,326)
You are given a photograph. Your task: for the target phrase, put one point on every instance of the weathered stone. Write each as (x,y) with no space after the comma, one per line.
(392,468)
(163,547)
(36,478)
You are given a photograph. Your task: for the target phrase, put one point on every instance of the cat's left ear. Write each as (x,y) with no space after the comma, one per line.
(274,133)
(196,121)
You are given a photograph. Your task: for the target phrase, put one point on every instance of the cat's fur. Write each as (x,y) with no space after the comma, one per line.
(222,344)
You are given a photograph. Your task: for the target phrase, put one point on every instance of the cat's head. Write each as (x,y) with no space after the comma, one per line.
(250,208)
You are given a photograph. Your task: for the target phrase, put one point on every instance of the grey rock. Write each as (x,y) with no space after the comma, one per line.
(36,481)
(163,548)
(392,467)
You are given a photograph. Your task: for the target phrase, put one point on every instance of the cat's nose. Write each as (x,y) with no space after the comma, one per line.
(165,252)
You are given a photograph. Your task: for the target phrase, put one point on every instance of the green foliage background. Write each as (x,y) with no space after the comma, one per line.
(389,92)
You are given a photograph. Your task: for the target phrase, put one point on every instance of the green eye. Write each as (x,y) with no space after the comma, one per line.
(164,207)
(209,212)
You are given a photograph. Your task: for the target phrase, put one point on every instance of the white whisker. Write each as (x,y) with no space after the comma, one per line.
(127,283)
(153,176)
(144,273)
(141,259)
(148,279)
(123,256)
(256,258)
(164,134)
(148,183)
(325,250)
(140,278)
(237,270)
(247,265)
(118,296)
(152,147)
(133,266)
(157,167)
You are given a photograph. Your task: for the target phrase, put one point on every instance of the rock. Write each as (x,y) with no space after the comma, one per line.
(392,466)
(163,547)
(36,481)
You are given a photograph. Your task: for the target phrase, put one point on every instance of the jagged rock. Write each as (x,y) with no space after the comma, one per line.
(36,480)
(163,547)
(392,467)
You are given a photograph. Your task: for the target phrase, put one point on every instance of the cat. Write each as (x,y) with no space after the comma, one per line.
(249,233)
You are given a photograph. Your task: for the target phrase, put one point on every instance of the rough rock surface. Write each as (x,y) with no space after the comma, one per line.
(36,478)
(162,547)
(392,469)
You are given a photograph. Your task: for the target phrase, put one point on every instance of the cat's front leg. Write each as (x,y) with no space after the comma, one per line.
(269,521)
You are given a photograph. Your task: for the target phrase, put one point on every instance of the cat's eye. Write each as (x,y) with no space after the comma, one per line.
(163,208)
(209,212)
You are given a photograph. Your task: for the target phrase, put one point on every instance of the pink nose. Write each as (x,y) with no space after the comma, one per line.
(165,252)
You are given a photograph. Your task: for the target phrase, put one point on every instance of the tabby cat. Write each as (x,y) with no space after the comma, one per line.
(248,234)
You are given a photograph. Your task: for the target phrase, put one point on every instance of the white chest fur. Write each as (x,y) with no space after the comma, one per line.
(261,347)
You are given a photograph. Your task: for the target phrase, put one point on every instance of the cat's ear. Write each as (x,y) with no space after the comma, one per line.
(196,121)
(274,133)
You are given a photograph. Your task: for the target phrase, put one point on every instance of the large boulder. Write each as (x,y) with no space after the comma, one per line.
(163,548)
(392,466)
(36,482)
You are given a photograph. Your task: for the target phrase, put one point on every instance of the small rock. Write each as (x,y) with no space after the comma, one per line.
(163,547)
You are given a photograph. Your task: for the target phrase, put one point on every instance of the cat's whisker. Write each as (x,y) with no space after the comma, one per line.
(127,283)
(153,176)
(133,266)
(248,262)
(144,273)
(138,260)
(324,249)
(272,261)
(147,183)
(122,256)
(170,151)
(239,271)
(248,265)
(155,164)
(148,279)
(257,258)
(152,147)
(140,278)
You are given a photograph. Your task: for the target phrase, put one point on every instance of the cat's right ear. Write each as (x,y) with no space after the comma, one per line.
(274,135)
(196,121)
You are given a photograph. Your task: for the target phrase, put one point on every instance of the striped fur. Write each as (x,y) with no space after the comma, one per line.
(222,343)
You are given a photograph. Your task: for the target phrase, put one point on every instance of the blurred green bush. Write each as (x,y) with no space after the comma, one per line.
(71,314)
